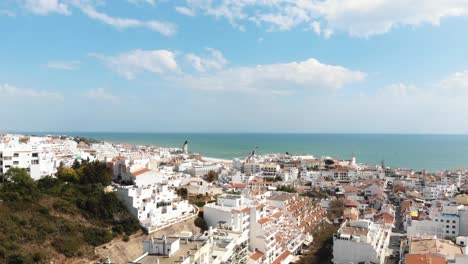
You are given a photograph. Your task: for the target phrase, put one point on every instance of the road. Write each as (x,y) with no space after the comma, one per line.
(395,238)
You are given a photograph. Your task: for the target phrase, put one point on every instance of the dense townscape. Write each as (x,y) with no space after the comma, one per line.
(261,209)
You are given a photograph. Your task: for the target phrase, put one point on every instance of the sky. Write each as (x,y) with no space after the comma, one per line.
(302,66)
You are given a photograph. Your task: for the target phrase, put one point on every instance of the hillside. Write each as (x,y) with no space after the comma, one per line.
(58,219)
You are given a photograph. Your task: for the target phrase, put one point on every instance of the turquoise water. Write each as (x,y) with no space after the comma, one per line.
(430,152)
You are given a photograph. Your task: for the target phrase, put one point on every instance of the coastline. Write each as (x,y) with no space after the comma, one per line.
(216,160)
(418,152)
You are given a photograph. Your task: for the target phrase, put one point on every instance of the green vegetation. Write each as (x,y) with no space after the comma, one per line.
(200,222)
(273,179)
(212,176)
(67,215)
(183,193)
(319,194)
(336,209)
(321,250)
(287,188)
(200,200)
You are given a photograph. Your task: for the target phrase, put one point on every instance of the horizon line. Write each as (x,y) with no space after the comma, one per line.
(243,132)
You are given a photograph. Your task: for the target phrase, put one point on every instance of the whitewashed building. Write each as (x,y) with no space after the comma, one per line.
(361,241)
(26,157)
(155,206)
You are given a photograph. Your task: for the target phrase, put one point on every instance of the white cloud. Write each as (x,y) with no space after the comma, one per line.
(308,75)
(455,84)
(185,10)
(8,13)
(327,33)
(101,94)
(64,65)
(162,27)
(315,25)
(138,2)
(131,63)
(7,90)
(44,7)
(398,90)
(361,18)
(215,61)
(364,18)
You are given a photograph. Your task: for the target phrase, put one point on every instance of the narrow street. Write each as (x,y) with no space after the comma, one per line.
(395,239)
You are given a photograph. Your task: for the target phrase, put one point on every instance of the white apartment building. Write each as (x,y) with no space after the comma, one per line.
(289,174)
(436,191)
(455,178)
(264,240)
(156,206)
(361,241)
(276,227)
(231,211)
(24,156)
(451,221)
(251,168)
(215,246)
(270,169)
(203,169)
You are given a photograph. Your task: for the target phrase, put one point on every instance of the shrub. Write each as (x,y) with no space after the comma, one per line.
(97,236)
(19,259)
(67,245)
(199,203)
(200,222)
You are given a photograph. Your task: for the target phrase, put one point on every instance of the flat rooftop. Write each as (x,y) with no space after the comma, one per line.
(184,248)
(434,246)
(350,230)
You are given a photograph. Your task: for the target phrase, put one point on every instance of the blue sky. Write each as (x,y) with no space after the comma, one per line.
(329,66)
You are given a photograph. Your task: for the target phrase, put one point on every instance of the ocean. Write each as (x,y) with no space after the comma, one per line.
(429,152)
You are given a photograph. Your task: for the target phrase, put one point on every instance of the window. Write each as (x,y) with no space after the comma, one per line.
(453,232)
(447,226)
(453,227)
(448,221)
(15,162)
(437,220)
(35,155)
(447,232)
(35,162)
(15,155)
(454,221)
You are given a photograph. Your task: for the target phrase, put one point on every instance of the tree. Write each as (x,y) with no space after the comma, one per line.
(18,175)
(182,192)
(287,188)
(212,176)
(200,222)
(95,172)
(67,174)
(76,164)
(336,209)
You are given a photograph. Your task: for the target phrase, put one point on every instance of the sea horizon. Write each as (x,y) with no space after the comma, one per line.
(242,132)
